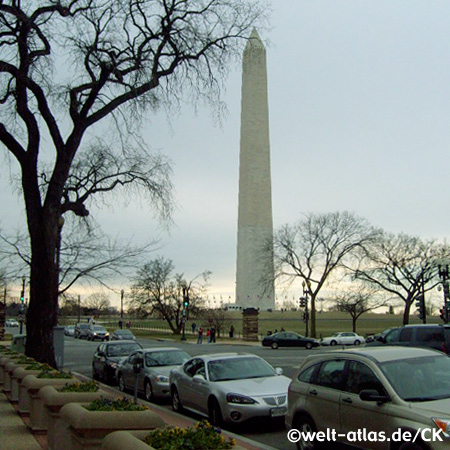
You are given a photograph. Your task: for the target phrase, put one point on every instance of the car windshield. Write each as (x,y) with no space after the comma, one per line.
(419,379)
(239,369)
(98,328)
(166,358)
(124,332)
(122,349)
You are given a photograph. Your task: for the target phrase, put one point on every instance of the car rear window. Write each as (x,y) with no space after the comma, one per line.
(430,335)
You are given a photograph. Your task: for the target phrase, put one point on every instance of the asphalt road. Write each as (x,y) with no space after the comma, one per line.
(78,358)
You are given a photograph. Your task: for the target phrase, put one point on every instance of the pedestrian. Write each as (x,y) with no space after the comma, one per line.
(213,334)
(120,324)
(200,336)
(194,326)
(208,335)
(231,331)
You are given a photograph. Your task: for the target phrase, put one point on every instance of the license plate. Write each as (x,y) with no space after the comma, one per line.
(277,412)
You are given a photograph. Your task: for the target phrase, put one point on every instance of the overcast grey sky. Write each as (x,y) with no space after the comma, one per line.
(359,102)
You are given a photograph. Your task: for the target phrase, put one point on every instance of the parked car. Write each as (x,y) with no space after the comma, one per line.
(289,339)
(107,357)
(379,390)
(343,338)
(97,332)
(122,334)
(69,330)
(377,336)
(229,387)
(81,330)
(436,336)
(11,323)
(153,379)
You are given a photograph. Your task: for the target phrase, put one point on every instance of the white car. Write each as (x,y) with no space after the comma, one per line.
(343,338)
(11,323)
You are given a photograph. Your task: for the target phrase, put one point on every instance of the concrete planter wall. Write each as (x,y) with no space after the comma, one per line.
(5,359)
(133,440)
(30,387)
(53,400)
(88,428)
(8,370)
(18,375)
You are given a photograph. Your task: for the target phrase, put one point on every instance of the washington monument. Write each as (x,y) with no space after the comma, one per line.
(254,268)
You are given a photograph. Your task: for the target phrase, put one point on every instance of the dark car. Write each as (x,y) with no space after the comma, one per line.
(81,330)
(108,355)
(119,335)
(97,332)
(289,339)
(433,336)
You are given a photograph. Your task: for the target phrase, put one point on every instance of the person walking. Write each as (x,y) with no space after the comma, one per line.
(213,335)
(232,331)
(208,335)
(194,326)
(200,336)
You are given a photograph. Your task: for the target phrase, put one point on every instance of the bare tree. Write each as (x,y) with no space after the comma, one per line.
(358,301)
(316,246)
(86,255)
(97,302)
(217,318)
(157,291)
(401,266)
(68,66)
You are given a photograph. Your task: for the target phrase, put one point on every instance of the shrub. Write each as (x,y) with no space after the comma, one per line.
(120,404)
(203,437)
(87,386)
(52,373)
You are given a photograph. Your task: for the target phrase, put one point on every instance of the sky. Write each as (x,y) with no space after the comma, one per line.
(359,106)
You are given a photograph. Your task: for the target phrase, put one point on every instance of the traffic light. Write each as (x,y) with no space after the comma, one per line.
(420,305)
(302,302)
(185,298)
(22,295)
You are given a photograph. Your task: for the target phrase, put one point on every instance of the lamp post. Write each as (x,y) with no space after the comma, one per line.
(22,306)
(121,303)
(306,292)
(444,275)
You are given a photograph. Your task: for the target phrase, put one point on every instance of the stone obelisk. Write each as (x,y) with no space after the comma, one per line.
(254,268)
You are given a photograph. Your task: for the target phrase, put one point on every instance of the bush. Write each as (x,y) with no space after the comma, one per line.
(52,373)
(120,404)
(87,386)
(203,437)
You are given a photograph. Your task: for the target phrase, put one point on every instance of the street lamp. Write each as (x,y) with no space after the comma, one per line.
(121,303)
(185,307)
(443,271)
(22,306)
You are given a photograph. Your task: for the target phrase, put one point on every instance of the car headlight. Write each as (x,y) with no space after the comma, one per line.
(162,378)
(113,365)
(240,399)
(443,425)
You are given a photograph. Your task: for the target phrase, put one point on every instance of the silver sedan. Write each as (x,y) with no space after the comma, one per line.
(153,376)
(230,387)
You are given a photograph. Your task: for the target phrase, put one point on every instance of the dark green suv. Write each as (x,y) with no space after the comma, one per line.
(428,336)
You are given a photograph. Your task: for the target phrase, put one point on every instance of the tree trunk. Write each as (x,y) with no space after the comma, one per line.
(354,319)
(43,306)
(406,312)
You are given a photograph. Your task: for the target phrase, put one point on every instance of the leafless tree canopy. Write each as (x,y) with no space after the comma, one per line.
(399,265)
(69,66)
(318,245)
(157,291)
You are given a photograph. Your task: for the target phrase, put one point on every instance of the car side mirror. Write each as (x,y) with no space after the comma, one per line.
(100,353)
(372,395)
(381,339)
(279,371)
(199,378)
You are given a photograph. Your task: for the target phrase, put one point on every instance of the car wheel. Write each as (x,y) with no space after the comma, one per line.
(121,382)
(176,402)
(308,345)
(148,391)
(305,425)
(214,413)
(274,345)
(357,342)
(333,342)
